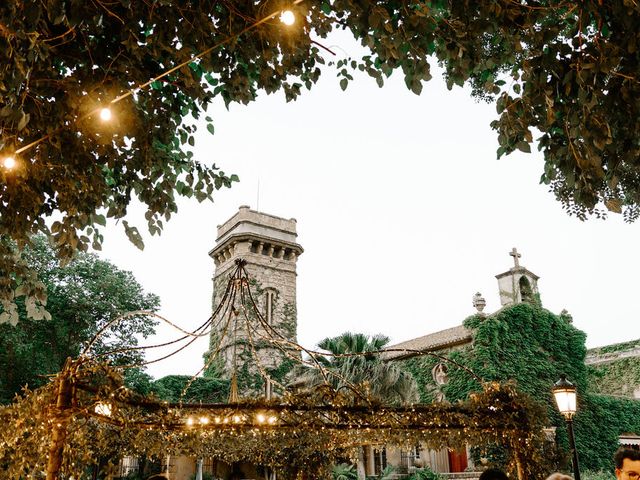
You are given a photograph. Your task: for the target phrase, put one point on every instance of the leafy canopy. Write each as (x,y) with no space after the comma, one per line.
(83,297)
(566,70)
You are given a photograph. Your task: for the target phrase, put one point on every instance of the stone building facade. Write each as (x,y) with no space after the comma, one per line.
(268,245)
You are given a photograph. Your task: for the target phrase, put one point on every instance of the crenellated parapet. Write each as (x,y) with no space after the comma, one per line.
(258,238)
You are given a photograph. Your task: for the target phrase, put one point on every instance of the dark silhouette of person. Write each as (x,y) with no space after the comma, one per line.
(493,474)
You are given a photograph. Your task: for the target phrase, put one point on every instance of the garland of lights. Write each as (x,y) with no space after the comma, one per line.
(304,432)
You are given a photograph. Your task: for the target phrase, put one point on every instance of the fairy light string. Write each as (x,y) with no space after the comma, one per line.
(287,17)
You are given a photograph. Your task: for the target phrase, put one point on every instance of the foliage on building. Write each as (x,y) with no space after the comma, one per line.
(615,369)
(533,346)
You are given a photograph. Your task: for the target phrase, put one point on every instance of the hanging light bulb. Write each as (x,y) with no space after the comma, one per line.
(105,114)
(287,17)
(103,409)
(9,162)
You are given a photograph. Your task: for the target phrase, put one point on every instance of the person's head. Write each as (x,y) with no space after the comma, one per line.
(559,476)
(627,463)
(493,474)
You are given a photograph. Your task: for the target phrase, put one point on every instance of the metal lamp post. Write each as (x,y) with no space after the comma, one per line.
(565,394)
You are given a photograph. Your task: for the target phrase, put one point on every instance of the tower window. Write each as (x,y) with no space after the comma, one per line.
(269,306)
(526,292)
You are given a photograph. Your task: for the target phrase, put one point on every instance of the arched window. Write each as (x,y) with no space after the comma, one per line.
(526,292)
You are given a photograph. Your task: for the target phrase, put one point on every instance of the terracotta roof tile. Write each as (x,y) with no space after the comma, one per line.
(433,341)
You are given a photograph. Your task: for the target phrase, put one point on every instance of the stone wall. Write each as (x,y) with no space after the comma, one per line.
(267,245)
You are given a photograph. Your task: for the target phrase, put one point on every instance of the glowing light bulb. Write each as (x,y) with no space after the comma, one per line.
(273,420)
(260,418)
(236,418)
(287,17)
(204,420)
(9,163)
(103,409)
(189,421)
(105,114)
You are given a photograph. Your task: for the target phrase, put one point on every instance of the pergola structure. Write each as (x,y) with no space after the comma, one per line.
(87,413)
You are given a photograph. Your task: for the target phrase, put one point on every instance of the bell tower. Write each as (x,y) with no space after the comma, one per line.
(268,245)
(518,285)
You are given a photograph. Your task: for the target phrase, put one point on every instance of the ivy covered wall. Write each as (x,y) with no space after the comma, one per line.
(615,369)
(533,347)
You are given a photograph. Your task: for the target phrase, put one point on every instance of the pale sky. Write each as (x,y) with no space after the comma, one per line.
(403,211)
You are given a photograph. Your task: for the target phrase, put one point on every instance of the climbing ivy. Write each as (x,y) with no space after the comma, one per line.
(533,347)
(273,362)
(201,390)
(617,347)
(619,377)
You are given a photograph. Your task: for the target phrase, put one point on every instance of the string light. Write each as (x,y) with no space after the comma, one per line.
(103,409)
(9,162)
(105,114)
(287,17)
(204,420)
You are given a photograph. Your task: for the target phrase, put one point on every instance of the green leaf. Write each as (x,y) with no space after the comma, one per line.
(133,234)
(343,84)
(523,146)
(210,128)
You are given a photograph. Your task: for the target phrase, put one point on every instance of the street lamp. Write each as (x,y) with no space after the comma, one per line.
(565,394)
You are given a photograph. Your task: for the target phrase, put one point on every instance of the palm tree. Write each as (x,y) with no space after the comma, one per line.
(343,471)
(356,364)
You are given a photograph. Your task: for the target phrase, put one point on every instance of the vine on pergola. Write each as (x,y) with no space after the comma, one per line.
(86,414)
(295,434)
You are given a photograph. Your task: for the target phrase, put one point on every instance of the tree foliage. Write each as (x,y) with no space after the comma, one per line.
(565,69)
(83,297)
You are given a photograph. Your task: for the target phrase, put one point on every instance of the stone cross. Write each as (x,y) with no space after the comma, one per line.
(514,253)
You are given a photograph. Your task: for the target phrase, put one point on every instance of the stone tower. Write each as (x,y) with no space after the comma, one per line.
(268,245)
(518,284)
